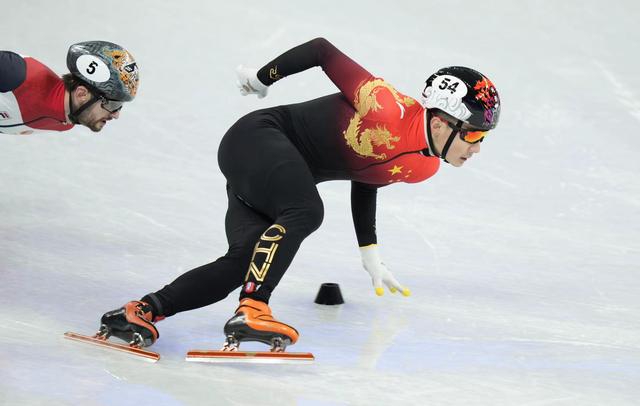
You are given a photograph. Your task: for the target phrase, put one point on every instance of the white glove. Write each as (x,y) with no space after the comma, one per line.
(379,272)
(248,82)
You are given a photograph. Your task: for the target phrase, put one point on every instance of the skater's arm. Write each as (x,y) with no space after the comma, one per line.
(345,73)
(363,211)
(13,71)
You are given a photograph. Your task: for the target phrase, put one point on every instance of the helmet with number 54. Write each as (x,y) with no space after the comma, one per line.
(464,94)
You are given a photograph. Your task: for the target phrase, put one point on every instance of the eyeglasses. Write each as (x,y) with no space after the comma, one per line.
(467,135)
(112,106)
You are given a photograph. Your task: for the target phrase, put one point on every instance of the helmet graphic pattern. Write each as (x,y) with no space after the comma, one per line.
(106,67)
(465,94)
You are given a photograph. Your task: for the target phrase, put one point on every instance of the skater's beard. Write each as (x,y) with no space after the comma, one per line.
(95,125)
(95,118)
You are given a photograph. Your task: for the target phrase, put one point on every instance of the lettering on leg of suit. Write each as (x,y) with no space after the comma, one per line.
(263,255)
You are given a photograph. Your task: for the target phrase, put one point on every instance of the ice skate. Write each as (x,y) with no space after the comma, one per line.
(132,323)
(253,321)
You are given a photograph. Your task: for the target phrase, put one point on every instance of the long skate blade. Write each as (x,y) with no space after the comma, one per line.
(137,352)
(258,357)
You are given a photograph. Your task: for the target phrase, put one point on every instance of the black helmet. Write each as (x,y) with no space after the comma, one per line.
(107,68)
(464,94)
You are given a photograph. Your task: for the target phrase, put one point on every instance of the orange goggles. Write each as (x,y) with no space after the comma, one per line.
(467,135)
(472,137)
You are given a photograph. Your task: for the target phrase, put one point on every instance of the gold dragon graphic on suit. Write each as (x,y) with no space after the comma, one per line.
(365,101)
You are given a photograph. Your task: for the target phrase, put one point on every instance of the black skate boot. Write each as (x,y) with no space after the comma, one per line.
(253,322)
(132,323)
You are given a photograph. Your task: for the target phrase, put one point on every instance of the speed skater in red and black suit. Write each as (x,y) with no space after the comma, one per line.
(369,133)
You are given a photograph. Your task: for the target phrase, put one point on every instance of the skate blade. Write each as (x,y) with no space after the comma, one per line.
(137,352)
(256,357)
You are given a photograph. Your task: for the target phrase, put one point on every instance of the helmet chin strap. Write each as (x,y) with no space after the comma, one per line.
(452,137)
(432,145)
(75,115)
(447,145)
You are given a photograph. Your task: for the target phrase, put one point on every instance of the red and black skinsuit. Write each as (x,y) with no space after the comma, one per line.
(369,133)
(31,96)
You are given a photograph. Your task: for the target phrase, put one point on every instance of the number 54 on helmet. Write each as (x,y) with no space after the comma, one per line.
(464,94)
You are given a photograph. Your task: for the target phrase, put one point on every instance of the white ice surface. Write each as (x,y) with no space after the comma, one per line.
(523,264)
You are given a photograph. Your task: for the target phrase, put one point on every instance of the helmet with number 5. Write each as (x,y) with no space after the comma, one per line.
(464,94)
(106,68)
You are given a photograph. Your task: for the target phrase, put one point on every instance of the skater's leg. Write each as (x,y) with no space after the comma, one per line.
(196,288)
(295,205)
(212,282)
(293,202)
(283,188)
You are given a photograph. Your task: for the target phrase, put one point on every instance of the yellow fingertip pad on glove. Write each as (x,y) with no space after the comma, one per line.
(379,291)
(406,292)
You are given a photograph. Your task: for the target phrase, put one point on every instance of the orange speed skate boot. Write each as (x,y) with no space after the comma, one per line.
(132,323)
(253,322)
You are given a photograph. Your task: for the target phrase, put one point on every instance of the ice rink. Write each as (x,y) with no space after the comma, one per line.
(523,264)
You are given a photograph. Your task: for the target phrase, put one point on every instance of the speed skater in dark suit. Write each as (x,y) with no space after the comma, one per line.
(369,133)
(102,77)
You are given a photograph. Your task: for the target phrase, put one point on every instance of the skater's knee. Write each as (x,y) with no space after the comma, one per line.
(240,251)
(307,219)
(315,213)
